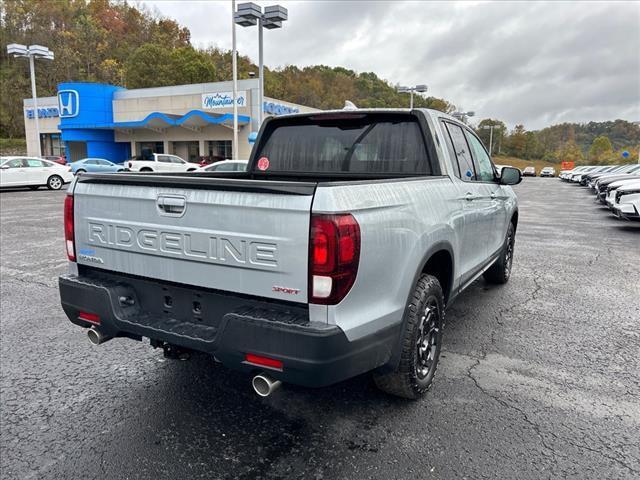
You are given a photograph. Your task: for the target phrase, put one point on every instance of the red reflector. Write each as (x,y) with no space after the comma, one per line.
(262,361)
(89,317)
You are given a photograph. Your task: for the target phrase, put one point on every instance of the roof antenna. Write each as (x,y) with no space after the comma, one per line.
(349,105)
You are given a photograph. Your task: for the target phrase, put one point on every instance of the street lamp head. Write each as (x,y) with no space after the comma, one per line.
(17,50)
(247,15)
(250,10)
(403,89)
(276,13)
(244,21)
(421,88)
(38,50)
(272,25)
(470,114)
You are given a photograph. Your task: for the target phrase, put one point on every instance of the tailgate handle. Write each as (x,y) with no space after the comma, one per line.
(171,205)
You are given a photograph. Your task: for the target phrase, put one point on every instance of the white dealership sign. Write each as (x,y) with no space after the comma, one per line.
(223,100)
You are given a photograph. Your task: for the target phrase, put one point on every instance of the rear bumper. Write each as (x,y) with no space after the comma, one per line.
(224,325)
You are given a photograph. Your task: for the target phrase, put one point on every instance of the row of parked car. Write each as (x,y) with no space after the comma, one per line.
(530,171)
(36,172)
(617,186)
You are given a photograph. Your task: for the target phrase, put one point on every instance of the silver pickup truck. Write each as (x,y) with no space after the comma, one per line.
(334,254)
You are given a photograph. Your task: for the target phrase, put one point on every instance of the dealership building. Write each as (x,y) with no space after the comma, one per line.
(106,121)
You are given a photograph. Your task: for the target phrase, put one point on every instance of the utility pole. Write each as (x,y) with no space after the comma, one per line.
(234,66)
(491,127)
(260,72)
(32,69)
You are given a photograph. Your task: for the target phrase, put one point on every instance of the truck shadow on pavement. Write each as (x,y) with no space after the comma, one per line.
(207,416)
(213,417)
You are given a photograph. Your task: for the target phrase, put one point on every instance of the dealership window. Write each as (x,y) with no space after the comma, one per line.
(154,147)
(220,149)
(52,145)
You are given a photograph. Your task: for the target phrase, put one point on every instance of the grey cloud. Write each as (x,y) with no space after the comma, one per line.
(531,63)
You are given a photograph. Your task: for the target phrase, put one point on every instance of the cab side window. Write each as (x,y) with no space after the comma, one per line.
(484,167)
(164,158)
(463,153)
(450,149)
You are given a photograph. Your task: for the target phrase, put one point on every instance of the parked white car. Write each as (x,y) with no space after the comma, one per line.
(161,163)
(612,188)
(33,173)
(627,202)
(226,166)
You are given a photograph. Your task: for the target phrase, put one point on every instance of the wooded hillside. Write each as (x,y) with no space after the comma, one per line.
(116,42)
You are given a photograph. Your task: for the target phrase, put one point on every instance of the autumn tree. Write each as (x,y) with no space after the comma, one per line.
(601,150)
(149,66)
(517,142)
(570,152)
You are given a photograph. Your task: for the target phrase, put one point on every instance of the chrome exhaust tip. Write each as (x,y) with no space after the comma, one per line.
(96,337)
(264,385)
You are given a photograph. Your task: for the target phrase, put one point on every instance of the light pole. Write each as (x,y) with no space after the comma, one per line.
(32,52)
(490,127)
(418,88)
(234,68)
(250,14)
(463,115)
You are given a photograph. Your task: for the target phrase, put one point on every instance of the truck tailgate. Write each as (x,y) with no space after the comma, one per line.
(243,236)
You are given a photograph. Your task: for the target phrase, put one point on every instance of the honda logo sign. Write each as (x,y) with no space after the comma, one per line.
(68,103)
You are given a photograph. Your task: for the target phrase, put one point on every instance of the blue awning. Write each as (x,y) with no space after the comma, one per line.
(191,120)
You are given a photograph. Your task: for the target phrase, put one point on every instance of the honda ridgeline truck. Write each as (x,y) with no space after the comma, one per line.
(334,254)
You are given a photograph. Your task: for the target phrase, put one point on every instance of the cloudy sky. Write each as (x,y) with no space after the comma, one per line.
(533,63)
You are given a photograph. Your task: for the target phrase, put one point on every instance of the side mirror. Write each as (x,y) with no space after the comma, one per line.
(5,167)
(510,176)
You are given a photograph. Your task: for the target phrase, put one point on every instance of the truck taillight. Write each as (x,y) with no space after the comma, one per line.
(68,228)
(334,254)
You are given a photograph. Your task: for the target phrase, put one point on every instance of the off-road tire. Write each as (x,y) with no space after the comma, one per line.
(500,272)
(411,378)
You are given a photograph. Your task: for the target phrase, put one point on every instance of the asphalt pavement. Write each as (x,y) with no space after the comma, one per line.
(539,378)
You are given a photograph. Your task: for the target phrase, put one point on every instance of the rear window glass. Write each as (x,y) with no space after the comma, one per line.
(358,143)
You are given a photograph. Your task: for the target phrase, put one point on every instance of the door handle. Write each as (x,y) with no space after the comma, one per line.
(469,197)
(493,195)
